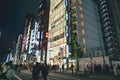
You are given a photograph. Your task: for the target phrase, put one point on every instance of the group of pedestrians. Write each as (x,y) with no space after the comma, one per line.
(62,68)
(7,71)
(113,69)
(40,71)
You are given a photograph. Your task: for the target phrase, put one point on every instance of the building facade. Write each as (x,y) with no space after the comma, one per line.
(109,12)
(57,23)
(26,37)
(74,21)
(34,52)
(18,50)
(85,24)
(43,21)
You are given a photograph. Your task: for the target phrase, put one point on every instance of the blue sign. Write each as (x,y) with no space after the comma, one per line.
(66,2)
(66,15)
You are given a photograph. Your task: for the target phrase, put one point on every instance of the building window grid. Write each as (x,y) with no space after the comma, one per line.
(103,6)
(105,14)
(107,34)
(60,26)
(85,12)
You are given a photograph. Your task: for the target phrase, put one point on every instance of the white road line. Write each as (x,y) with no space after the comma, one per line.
(18,77)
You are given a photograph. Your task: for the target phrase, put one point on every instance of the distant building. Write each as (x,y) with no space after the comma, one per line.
(18,50)
(10,57)
(34,51)
(26,36)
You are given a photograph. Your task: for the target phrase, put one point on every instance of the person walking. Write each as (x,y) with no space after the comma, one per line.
(36,71)
(10,73)
(72,68)
(4,69)
(63,67)
(118,71)
(0,71)
(45,71)
(115,71)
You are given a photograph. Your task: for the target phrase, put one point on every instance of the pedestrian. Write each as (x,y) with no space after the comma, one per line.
(91,69)
(36,71)
(118,71)
(60,67)
(4,69)
(63,67)
(115,71)
(0,71)
(72,68)
(86,68)
(10,73)
(45,71)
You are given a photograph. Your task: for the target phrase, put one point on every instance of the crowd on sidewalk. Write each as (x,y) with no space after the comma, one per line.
(40,70)
(105,69)
(7,71)
(93,69)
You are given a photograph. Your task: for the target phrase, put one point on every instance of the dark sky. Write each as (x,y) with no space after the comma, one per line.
(12,18)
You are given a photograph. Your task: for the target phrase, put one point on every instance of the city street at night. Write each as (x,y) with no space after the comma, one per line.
(59,39)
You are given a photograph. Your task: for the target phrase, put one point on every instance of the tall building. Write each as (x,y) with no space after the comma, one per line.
(57,23)
(34,52)
(109,12)
(86,24)
(77,21)
(26,36)
(43,21)
(18,50)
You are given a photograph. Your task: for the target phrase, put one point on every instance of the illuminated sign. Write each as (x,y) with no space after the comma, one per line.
(67,31)
(66,15)
(40,6)
(66,2)
(46,34)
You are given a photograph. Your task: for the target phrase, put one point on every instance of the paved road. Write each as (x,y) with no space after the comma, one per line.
(58,76)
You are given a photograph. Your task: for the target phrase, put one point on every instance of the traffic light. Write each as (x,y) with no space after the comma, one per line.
(46,34)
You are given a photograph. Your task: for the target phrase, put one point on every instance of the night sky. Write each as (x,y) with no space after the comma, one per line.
(12,18)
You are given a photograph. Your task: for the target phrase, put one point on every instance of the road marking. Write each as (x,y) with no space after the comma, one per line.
(18,77)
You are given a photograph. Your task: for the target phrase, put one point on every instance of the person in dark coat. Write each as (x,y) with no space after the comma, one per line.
(36,71)
(0,71)
(45,71)
(63,67)
(72,68)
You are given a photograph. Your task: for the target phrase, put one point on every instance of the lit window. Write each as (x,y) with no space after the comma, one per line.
(80,1)
(81,22)
(81,15)
(81,8)
(83,40)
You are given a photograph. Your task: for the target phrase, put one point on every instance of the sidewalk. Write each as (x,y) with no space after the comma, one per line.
(95,76)
(81,73)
